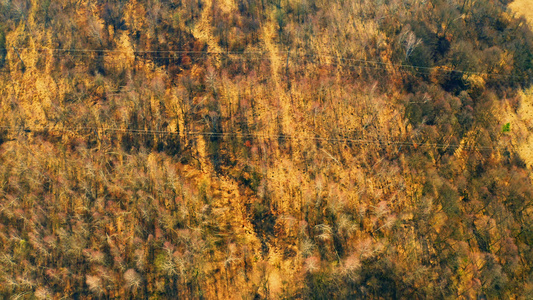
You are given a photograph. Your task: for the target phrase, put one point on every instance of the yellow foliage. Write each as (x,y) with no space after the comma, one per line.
(203,29)
(476,84)
(525,114)
(313,182)
(523,123)
(134,15)
(523,7)
(124,59)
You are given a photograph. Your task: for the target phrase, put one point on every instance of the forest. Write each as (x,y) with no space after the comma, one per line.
(266,149)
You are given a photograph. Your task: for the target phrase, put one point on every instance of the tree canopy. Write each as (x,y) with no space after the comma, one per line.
(254,149)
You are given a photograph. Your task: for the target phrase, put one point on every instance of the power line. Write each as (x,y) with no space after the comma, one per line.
(373,64)
(251,135)
(141,51)
(418,69)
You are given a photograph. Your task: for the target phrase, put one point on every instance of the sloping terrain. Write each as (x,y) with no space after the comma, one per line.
(523,120)
(265,149)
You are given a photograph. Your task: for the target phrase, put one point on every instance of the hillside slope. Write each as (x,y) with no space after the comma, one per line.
(265,149)
(523,120)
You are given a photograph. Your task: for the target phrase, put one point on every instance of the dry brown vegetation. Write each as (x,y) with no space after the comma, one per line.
(265,149)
